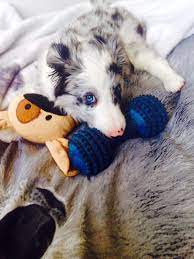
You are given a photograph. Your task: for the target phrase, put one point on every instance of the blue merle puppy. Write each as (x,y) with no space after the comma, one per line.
(85,70)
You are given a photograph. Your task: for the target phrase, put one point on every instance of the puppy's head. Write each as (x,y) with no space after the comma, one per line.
(88,83)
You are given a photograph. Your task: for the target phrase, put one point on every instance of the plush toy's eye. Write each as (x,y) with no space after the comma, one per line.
(28,106)
(26,111)
(48,117)
(90,99)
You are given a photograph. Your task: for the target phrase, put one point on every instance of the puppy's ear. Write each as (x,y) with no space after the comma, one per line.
(58,56)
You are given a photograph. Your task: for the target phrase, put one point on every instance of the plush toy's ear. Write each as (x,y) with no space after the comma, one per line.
(59,151)
(7,132)
(4,120)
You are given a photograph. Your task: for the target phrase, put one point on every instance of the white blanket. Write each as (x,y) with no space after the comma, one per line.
(21,41)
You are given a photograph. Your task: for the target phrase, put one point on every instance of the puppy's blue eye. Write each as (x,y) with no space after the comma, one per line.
(90,99)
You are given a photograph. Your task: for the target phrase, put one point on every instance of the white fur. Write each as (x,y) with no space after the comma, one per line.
(146,59)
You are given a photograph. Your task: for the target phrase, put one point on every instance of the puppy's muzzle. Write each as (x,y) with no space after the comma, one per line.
(117,132)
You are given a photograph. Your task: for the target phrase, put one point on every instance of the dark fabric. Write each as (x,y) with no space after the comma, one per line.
(26,232)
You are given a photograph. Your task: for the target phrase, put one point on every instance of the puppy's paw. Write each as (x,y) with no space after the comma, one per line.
(174,83)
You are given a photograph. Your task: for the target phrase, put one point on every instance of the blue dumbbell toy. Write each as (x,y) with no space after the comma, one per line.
(92,152)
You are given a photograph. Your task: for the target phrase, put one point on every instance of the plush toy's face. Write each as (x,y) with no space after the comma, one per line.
(36,125)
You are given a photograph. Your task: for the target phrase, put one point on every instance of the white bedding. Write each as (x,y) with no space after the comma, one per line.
(28,8)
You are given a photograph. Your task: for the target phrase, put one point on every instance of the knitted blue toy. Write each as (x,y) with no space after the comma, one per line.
(92,152)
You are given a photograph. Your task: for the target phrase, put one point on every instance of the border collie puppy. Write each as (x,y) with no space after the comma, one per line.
(83,73)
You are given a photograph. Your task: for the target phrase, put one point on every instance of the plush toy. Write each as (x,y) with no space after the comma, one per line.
(40,126)
(88,151)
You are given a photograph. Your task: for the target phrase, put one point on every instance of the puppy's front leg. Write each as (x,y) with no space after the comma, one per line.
(146,59)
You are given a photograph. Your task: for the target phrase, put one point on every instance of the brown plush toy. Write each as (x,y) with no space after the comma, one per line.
(37,125)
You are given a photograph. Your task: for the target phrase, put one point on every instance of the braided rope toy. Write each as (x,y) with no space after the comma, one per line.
(91,152)
(87,151)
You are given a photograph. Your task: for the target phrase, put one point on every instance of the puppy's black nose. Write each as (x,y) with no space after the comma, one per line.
(26,233)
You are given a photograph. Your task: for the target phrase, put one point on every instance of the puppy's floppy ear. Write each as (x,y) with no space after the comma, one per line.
(58,56)
(63,62)
(60,61)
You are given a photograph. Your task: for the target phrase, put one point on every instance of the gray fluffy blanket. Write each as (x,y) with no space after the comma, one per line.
(142,206)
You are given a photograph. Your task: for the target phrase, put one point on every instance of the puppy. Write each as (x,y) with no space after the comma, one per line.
(84,72)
